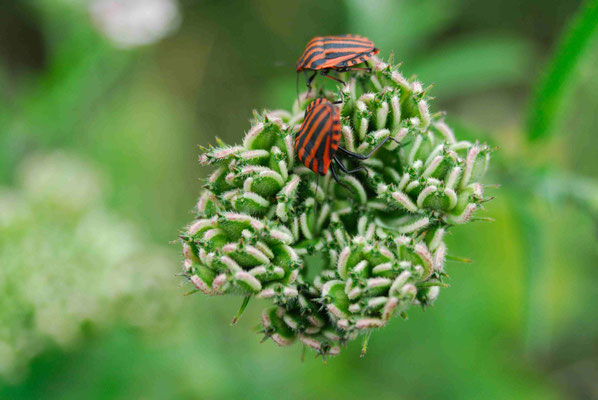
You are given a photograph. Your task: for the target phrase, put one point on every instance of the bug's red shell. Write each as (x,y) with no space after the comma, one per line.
(318,138)
(325,52)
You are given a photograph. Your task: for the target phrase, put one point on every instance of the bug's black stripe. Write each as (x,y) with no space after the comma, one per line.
(321,152)
(352,48)
(328,54)
(357,60)
(328,147)
(342,45)
(326,44)
(317,140)
(327,57)
(355,41)
(316,63)
(309,144)
(306,127)
(358,40)
(311,105)
(313,55)
(308,141)
(327,41)
(307,55)
(340,55)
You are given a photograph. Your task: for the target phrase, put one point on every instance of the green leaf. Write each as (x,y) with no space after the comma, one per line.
(468,65)
(572,49)
(413,22)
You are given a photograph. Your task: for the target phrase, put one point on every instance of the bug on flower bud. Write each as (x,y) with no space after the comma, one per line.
(339,53)
(317,141)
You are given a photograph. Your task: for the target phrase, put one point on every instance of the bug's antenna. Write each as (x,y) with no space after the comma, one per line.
(316,203)
(297,87)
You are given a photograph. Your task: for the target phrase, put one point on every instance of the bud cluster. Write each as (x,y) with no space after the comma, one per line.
(336,262)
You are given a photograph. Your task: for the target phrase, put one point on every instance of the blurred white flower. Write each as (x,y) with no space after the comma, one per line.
(65,260)
(131,23)
(60,179)
(11,208)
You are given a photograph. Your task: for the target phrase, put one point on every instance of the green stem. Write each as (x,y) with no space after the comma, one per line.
(241,310)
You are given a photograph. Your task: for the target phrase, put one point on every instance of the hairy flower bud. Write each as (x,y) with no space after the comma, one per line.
(335,262)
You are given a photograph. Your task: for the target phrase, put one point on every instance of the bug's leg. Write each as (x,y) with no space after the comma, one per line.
(310,79)
(341,101)
(326,73)
(334,78)
(352,67)
(368,69)
(364,156)
(335,176)
(350,171)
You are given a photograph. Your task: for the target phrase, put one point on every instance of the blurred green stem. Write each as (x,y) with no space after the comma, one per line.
(544,109)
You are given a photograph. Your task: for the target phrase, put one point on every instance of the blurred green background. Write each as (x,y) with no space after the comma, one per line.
(102,106)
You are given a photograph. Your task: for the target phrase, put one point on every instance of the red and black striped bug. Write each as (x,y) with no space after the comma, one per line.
(318,138)
(340,53)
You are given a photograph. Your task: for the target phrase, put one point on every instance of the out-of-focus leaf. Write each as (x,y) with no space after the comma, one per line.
(476,63)
(53,108)
(545,105)
(401,25)
(562,186)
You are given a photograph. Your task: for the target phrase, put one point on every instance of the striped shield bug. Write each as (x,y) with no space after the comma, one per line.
(318,138)
(340,53)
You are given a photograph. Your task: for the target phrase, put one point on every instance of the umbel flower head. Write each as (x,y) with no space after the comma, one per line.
(336,263)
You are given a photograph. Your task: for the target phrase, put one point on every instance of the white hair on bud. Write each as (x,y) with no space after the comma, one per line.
(256,198)
(424,194)
(404,201)
(414,226)
(368,323)
(376,302)
(395,103)
(253,133)
(249,280)
(437,238)
(382,115)
(446,131)
(422,251)
(439,257)
(400,80)
(379,282)
(424,112)
(452,198)
(347,132)
(399,282)
(464,216)
(469,163)
(417,87)
(201,285)
(363,128)
(220,284)
(453,177)
(414,148)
